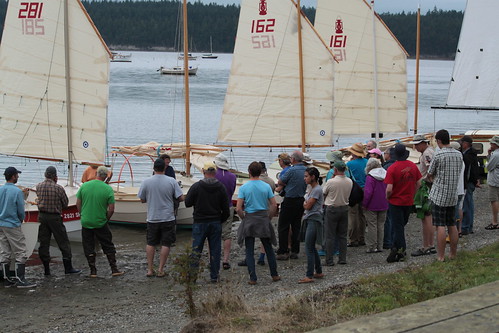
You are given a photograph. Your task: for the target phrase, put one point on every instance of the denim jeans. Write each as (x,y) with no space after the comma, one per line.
(468,208)
(399,217)
(313,259)
(388,232)
(213,232)
(249,242)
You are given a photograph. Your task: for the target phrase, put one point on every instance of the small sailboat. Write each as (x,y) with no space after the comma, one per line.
(189,56)
(210,55)
(121,57)
(54,76)
(178,70)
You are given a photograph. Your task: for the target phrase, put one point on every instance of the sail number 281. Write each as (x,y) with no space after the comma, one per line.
(30,14)
(261,29)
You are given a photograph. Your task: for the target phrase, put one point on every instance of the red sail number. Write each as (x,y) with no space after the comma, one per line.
(261,26)
(31,10)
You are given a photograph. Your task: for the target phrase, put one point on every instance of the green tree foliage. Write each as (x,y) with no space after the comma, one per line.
(151,24)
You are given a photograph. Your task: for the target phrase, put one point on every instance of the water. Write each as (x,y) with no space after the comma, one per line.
(146,106)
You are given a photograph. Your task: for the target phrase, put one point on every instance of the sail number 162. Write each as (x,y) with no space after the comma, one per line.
(263,27)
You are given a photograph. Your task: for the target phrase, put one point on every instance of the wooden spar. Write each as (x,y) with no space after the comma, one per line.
(375,71)
(302,89)
(68,93)
(416,94)
(186,88)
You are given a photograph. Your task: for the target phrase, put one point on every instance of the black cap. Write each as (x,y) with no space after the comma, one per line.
(51,172)
(400,152)
(466,138)
(10,171)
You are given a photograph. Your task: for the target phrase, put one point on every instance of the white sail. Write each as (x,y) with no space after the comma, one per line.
(262,104)
(347,28)
(33,82)
(475,80)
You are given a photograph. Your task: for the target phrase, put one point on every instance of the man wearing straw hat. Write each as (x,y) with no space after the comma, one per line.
(422,145)
(493,180)
(356,218)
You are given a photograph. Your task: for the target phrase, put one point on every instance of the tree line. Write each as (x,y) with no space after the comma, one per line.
(149,25)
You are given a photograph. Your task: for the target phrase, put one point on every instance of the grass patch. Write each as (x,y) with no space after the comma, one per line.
(372,294)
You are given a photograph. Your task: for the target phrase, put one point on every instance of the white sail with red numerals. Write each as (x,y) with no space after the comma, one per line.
(262,104)
(35,75)
(347,27)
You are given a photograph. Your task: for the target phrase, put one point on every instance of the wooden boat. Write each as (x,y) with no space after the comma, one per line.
(121,57)
(178,70)
(55,92)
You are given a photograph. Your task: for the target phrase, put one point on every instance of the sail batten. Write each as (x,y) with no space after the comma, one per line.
(33,83)
(262,104)
(347,27)
(476,68)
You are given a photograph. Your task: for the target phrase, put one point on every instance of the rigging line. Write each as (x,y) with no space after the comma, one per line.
(272,77)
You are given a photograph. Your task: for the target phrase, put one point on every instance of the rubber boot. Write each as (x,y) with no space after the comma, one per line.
(20,279)
(91,264)
(68,267)
(111,257)
(46,266)
(7,281)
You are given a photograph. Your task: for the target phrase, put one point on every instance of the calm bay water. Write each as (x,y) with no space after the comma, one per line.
(146,106)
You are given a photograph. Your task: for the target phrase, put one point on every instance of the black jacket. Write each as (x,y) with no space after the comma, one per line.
(209,198)
(470,167)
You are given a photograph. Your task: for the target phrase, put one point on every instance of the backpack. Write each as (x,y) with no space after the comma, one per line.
(356,194)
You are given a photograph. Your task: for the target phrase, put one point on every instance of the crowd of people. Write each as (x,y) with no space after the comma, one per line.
(363,202)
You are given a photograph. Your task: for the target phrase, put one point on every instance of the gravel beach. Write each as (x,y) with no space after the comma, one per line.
(136,303)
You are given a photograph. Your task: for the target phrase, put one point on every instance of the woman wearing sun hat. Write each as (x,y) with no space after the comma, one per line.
(356,218)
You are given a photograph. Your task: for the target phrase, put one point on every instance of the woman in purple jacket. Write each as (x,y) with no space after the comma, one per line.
(375,205)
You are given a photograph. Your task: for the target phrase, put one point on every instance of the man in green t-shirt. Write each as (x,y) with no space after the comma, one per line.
(95,201)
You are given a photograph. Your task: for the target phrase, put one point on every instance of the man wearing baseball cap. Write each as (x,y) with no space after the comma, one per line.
(471,181)
(12,241)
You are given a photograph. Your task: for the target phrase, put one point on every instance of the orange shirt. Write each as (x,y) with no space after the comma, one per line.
(89,174)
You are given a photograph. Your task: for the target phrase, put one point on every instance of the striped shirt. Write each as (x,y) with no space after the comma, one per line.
(51,197)
(446,170)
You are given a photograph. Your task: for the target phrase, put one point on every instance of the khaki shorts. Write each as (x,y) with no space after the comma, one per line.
(227,225)
(493,193)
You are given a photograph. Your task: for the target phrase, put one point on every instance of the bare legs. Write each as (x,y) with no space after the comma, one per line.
(428,232)
(227,245)
(454,237)
(163,256)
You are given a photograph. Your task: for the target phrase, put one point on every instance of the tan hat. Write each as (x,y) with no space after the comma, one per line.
(418,138)
(307,159)
(495,140)
(221,162)
(208,165)
(357,149)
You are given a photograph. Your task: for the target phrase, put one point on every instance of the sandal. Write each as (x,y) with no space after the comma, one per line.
(492,226)
(161,274)
(306,280)
(226,265)
(151,274)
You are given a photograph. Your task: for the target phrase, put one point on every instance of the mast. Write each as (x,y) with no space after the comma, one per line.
(186,93)
(375,73)
(416,94)
(302,88)
(68,93)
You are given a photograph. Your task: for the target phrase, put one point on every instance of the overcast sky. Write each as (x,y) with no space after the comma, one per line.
(383,6)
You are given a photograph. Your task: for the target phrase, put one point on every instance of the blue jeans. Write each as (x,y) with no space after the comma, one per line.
(468,209)
(399,217)
(313,259)
(249,242)
(388,233)
(213,232)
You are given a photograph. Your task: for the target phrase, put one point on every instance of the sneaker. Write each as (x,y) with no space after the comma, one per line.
(283,256)
(342,262)
(293,256)
(24,284)
(392,257)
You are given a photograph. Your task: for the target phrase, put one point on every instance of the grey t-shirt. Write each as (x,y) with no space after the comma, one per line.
(315,192)
(159,191)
